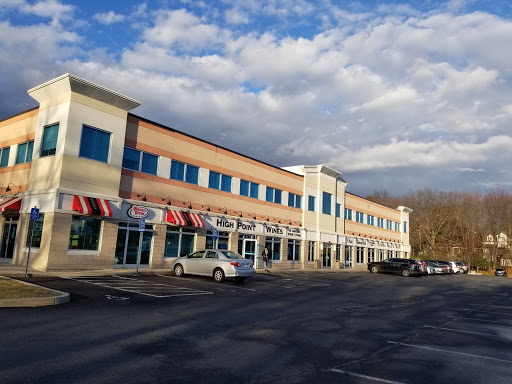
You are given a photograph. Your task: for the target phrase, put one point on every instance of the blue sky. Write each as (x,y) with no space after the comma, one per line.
(395,95)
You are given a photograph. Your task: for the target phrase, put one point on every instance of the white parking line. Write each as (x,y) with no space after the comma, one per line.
(483,320)
(127,284)
(210,283)
(461,331)
(364,376)
(447,351)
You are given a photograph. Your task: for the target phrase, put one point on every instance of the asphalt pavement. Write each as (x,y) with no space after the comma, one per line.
(300,327)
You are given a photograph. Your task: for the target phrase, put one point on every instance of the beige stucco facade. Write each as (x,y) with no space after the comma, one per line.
(299,212)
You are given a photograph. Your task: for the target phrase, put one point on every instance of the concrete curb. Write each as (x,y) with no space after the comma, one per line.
(59,298)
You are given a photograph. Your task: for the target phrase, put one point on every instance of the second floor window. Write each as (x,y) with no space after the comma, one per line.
(140,161)
(370,220)
(294,200)
(359,217)
(49,142)
(326,203)
(4,156)
(405,226)
(95,144)
(274,195)
(184,172)
(219,181)
(311,203)
(338,210)
(249,189)
(24,154)
(380,222)
(348,214)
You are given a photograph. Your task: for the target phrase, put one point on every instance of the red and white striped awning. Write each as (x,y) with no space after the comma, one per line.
(185,218)
(92,206)
(10,203)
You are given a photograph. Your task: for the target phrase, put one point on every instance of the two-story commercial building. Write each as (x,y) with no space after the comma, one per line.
(102,178)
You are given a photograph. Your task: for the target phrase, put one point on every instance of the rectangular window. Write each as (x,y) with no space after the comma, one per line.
(85,233)
(380,222)
(381,254)
(338,210)
(311,251)
(37,231)
(348,214)
(389,224)
(140,161)
(326,203)
(225,184)
(273,244)
(24,154)
(397,227)
(184,172)
(370,220)
(244,188)
(49,142)
(371,255)
(311,203)
(95,144)
(294,200)
(360,255)
(179,242)
(293,250)
(359,217)
(221,241)
(249,189)
(274,195)
(405,226)
(214,180)
(255,190)
(4,156)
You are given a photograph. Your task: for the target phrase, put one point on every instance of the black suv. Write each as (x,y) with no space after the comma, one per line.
(405,267)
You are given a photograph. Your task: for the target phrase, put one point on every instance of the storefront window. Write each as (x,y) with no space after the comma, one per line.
(273,245)
(37,228)
(360,255)
(221,242)
(293,250)
(311,251)
(338,252)
(179,241)
(348,256)
(85,233)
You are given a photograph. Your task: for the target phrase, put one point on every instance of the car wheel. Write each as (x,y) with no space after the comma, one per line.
(218,275)
(239,279)
(178,270)
(375,269)
(406,272)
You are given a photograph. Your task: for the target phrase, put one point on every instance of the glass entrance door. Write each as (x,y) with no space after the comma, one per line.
(249,249)
(326,255)
(127,247)
(8,241)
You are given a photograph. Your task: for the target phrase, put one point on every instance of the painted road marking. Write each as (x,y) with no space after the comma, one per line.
(140,287)
(483,320)
(210,283)
(461,331)
(364,376)
(448,351)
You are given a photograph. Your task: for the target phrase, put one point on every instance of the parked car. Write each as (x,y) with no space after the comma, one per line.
(423,266)
(405,267)
(434,269)
(217,263)
(500,272)
(463,265)
(448,269)
(455,267)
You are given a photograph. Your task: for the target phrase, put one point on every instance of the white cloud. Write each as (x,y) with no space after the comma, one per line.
(235,16)
(109,17)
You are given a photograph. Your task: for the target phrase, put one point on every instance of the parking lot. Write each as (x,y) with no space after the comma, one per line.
(296,327)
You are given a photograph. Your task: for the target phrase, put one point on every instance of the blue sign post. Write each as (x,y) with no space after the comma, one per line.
(215,233)
(34,215)
(142,227)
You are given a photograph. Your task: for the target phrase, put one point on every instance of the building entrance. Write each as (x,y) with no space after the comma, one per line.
(127,246)
(8,239)
(247,246)
(326,255)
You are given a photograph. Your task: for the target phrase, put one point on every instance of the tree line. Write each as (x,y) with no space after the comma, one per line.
(461,226)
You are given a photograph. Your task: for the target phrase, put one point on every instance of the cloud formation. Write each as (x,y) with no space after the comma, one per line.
(398,98)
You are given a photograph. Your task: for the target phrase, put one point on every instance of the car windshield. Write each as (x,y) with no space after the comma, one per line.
(499,270)
(231,255)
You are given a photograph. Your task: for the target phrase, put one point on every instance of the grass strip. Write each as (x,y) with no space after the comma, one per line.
(13,289)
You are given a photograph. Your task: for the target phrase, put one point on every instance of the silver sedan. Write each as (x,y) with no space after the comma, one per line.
(217,263)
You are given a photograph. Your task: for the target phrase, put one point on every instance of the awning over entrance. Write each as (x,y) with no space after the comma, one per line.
(185,219)
(92,206)
(10,203)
